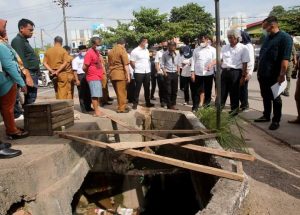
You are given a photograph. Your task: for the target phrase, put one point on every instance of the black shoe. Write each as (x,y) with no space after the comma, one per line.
(233,113)
(274,126)
(149,105)
(4,145)
(110,99)
(9,153)
(20,135)
(152,98)
(262,119)
(162,104)
(134,106)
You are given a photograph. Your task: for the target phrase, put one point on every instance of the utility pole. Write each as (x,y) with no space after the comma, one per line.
(42,41)
(63,4)
(218,82)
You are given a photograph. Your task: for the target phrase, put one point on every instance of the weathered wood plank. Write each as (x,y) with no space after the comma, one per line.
(132,145)
(62,111)
(62,117)
(63,123)
(162,159)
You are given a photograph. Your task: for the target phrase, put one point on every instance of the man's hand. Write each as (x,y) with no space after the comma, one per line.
(281,79)
(193,78)
(165,74)
(77,82)
(24,89)
(28,78)
(242,81)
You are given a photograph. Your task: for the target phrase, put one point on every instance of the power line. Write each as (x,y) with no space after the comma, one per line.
(97,18)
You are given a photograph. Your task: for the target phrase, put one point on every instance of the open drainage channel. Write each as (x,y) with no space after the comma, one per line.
(147,187)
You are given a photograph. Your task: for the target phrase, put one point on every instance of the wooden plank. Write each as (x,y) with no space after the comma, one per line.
(132,145)
(63,122)
(218,152)
(239,167)
(162,159)
(133,132)
(117,135)
(62,111)
(62,117)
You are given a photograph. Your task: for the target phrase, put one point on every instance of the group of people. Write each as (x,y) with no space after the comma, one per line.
(162,66)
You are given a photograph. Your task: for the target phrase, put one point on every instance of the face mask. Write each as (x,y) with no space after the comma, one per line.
(146,45)
(98,48)
(83,54)
(203,45)
(165,48)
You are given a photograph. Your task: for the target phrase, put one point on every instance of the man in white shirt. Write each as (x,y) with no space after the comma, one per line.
(82,85)
(170,65)
(203,62)
(246,40)
(160,75)
(140,62)
(235,59)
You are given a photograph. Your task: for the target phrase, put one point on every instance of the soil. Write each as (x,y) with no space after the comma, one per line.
(274,177)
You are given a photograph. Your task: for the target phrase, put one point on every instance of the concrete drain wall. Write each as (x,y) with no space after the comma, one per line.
(99,178)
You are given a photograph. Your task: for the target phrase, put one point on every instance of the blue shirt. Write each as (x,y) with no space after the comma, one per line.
(9,72)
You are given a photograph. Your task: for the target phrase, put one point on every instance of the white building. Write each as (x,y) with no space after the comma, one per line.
(80,37)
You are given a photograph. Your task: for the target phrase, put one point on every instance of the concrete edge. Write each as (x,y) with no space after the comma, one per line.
(227,195)
(270,133)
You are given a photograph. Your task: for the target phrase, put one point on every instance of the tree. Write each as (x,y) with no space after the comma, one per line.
(192,20)
(288,19)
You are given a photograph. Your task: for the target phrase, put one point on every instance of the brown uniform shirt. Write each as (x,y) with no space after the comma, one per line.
(117,60)
(56,56)
(69,64)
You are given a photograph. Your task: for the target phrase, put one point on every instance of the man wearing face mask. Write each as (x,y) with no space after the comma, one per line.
(160,74)
(80,81)
(274,58)
(140,62)
(203,62)
(170,65)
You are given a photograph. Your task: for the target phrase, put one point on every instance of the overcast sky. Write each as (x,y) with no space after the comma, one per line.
(47,15)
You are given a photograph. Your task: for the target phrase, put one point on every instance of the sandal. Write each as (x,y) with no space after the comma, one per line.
(19,135)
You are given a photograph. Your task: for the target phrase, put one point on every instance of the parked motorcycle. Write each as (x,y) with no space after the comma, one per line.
(44,79)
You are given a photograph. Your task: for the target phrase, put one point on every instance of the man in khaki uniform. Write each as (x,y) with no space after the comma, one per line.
(119,73)
(56,61)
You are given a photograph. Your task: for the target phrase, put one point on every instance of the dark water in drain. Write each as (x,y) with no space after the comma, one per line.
(163,194)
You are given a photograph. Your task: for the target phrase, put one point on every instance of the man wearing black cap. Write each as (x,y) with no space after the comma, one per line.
(171,65)
(82,85)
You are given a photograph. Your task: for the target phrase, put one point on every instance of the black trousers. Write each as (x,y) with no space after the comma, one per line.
(84,94)
(142,79)
(267,95)
(162,91)
(130,91)
(230,84)
(186,87)
(171,82)
(153,84)
(244,95)
(202,84)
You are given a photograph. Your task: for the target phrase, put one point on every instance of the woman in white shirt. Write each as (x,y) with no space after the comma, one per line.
(246,40)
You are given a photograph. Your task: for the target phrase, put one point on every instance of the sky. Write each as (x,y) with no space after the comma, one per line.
(48,16)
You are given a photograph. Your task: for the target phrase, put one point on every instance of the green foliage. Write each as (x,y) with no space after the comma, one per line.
(226,135)
(288,19)
(186,22)
(192,20)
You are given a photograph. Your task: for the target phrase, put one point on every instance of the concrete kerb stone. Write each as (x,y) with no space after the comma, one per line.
(227,195)
(270,133)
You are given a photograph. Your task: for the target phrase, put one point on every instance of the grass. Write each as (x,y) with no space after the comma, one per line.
(230,135)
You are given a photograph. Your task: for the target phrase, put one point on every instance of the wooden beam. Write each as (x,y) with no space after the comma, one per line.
(186,165)
(132,145)
(130,132)
(115,127)
(162,159)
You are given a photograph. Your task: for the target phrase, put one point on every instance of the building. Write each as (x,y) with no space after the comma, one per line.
(254,29)
(80,37)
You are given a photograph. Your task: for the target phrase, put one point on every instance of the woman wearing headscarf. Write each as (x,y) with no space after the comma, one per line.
(9,79)
(246,40)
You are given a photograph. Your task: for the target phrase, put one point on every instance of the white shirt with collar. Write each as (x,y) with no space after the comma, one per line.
(77,64)
(234,57)
(202,57)
(158,58)
(141,58)
(186,66)
(251,63)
